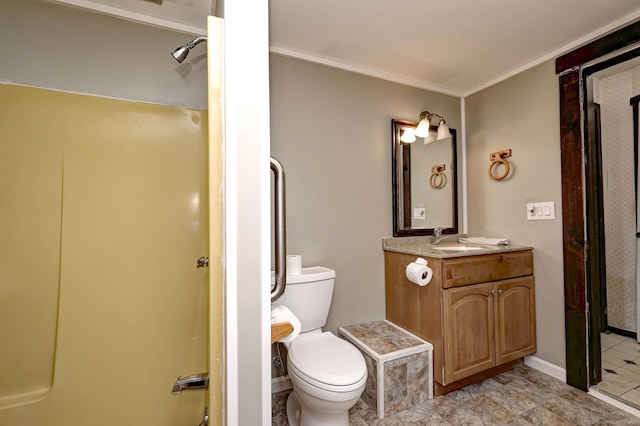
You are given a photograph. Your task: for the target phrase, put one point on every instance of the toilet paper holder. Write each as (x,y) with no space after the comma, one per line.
(280,330)
(424,274)
(418,272)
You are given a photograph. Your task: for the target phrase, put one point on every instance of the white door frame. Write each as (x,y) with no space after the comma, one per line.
(247,236)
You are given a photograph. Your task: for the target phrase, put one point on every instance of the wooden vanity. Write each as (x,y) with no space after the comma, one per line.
(478,311)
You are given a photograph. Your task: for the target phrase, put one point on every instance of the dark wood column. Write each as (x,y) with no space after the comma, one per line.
(573,230)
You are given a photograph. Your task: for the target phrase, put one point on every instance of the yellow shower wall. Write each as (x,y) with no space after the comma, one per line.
(30,223)
(104,211)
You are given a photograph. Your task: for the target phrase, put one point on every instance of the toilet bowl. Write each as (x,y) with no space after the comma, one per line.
(328,376)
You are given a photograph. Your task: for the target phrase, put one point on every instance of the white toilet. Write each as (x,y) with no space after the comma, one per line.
(328,373)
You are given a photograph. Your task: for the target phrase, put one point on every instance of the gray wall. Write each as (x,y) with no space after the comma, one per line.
(49,45)
(522,113)
(331,130)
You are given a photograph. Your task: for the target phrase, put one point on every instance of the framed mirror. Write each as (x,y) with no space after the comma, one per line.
(425,183)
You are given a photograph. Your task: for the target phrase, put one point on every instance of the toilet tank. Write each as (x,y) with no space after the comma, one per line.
(308,296)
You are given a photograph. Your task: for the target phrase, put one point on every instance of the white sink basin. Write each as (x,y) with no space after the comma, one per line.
(458,248)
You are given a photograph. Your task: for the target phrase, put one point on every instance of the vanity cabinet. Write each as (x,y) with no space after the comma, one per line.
(486,325)
(478,311)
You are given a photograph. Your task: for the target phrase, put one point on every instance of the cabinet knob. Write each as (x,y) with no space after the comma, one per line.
(500,291)
(493,292)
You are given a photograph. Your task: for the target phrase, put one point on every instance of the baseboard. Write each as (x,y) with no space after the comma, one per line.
(280,383)
(546,367)
(622,332)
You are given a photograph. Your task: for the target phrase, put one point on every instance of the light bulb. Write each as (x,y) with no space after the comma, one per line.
(422,130)
(443,131)
(408,135)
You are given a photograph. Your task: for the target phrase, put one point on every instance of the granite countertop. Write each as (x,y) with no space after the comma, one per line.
(423,246)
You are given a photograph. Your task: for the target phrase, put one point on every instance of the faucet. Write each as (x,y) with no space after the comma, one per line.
(193,382)
(437,236)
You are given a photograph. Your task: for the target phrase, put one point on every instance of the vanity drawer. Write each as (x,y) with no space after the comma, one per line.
(484,268)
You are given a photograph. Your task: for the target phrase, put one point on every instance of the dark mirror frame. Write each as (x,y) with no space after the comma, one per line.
(403,198)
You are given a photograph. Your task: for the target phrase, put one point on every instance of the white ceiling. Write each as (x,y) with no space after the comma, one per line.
(456,47)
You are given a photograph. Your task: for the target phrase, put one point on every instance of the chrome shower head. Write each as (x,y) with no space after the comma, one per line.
(180,54)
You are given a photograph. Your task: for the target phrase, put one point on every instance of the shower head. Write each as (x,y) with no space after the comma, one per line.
(180,54)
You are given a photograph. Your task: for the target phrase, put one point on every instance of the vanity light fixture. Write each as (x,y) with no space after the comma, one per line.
(422,131)
(408,135)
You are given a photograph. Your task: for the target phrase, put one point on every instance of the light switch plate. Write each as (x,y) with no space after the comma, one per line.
(418,212)
(541,211)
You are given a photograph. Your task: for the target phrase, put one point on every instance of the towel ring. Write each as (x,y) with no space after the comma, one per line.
(499,158)
(437,178)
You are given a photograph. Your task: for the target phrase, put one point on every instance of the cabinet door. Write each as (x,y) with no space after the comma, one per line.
(515,319)
(469,330)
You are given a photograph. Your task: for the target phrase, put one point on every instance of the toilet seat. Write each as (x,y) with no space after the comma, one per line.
(327,362)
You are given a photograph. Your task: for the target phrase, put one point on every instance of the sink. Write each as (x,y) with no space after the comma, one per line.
(459,248)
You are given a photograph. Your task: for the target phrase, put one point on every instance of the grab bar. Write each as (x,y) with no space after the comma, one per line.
(279,230)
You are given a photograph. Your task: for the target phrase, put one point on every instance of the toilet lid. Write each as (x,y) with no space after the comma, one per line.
(327,359)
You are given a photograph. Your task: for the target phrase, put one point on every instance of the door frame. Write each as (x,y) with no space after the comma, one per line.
(246,216)
(580,180)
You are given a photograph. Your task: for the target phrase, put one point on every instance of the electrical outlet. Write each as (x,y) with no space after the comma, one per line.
(418,213)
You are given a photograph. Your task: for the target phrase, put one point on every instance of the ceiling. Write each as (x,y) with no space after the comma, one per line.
(456,47)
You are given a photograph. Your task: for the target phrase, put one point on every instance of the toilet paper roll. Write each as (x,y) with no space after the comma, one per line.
(280,314)
(418,272)
(294,264)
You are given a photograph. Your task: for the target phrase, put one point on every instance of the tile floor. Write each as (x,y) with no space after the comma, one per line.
(621,368)
(521,396)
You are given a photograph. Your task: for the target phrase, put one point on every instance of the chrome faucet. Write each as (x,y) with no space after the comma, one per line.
(437,236)
(193,382)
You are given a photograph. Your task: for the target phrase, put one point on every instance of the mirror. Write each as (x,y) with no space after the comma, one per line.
(425,184)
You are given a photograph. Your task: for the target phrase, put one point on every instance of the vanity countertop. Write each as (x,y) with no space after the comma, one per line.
(423,246)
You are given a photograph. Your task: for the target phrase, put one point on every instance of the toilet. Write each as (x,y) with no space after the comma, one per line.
(328,373)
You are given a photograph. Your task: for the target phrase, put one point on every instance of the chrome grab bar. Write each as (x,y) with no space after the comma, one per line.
(279,230)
